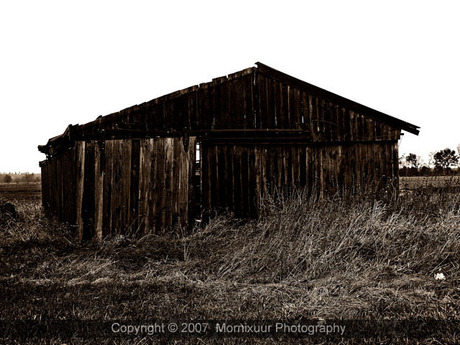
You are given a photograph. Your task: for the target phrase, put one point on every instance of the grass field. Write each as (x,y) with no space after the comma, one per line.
(304,260)
(19,192)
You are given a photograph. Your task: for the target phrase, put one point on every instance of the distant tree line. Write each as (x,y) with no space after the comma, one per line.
(20,178)
(443,162)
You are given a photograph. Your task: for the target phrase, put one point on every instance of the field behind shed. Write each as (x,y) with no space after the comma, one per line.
(304,259)
(447,183)
(20,192)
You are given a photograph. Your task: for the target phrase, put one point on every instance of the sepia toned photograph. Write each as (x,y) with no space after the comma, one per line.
(229,173)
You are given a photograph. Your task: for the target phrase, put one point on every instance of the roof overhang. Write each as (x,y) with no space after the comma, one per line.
(392,121)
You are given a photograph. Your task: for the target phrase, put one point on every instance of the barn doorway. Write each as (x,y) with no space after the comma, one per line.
(196,208)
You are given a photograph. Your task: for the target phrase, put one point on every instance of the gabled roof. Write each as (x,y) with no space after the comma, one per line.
(79,132)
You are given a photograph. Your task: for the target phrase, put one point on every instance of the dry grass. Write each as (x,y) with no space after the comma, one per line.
(323,259)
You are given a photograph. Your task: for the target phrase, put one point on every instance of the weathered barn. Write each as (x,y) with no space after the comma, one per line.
(220,144)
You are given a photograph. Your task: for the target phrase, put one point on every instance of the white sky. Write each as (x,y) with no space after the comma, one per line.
(65,62)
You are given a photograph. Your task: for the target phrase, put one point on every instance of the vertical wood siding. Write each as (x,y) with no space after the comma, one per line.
(249,100)
(134,171)
(248,172)
(124,186)
(59,186)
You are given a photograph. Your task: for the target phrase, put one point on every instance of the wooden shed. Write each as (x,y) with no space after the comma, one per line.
(218,145)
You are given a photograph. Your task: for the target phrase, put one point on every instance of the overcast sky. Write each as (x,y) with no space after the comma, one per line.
(66,62)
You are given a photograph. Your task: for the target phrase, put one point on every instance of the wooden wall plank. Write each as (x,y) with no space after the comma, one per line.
(213,175)
(258,178)
(59,188)
(206,176)
(263,99)
(134,186)
(68,187)
(222,175)
(161,185)
(126,222)
(117,188)
(88,208)
(182,183)
(245,175)
(252,187)
(154,158)
(177,167)
(80,158)
(145,157)
(99,161)
(193,195)
(237,181)
(108,184)
(167,202)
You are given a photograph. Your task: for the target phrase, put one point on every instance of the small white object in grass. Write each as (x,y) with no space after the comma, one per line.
(439,276)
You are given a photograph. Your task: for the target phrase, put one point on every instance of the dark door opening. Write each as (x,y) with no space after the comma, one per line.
(195,215)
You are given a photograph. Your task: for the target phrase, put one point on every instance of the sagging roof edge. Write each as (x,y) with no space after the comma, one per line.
(62,139)
(338,99)
(273,73)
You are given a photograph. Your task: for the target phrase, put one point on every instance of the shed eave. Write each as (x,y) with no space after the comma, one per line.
(378,115)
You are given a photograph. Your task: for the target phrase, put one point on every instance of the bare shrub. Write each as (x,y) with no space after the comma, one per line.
(7,178)
(7,211)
